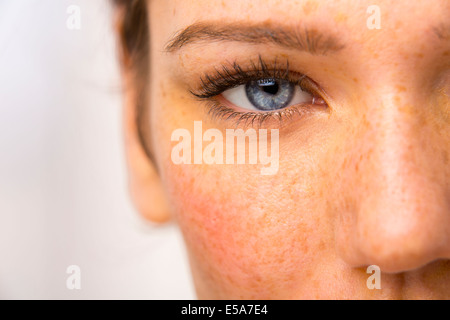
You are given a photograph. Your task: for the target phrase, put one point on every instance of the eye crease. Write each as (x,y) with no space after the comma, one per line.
(259,92)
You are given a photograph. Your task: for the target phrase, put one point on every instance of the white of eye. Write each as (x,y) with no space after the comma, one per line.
(238,97)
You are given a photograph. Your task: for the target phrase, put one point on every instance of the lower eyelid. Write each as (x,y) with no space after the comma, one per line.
(218,111)
(299,109)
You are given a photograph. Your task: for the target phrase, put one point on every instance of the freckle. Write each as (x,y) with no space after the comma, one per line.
(309,7)
(355,80)
(308,274)
(400,88)
(340,17)
(408,109)
(419,55)
(316,284)
(322,245)
(445,157)
(446,53)
(174,11)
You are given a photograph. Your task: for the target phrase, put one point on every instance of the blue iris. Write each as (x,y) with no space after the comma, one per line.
(269,94)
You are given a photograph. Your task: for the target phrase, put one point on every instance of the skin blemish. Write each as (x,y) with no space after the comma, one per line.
(340,17)
(409,109)
(419,55)
(398,25)
(400,89)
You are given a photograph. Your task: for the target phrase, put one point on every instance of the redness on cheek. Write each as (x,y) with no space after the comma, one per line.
(235,238)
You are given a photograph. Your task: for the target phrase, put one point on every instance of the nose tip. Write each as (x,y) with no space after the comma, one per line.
(396,212)
(399,246)
(400,224)
(395,238)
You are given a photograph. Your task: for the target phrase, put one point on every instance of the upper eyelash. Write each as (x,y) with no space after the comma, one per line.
(233,75)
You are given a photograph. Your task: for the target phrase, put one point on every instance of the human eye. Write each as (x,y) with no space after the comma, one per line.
(261,92)
(267,94)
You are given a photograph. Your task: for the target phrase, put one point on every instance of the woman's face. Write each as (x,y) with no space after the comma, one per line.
(363,118)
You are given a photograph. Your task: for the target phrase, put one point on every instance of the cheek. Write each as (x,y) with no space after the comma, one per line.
(247,235)
(257,237)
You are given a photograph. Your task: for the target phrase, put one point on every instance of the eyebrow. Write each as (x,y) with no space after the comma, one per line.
(297,38)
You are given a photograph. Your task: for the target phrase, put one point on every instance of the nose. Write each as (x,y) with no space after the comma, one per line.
(395,207)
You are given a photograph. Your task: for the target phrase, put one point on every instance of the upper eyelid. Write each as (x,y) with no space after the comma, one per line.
(261,69)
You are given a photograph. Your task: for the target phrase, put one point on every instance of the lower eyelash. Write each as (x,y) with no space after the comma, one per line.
(218,111)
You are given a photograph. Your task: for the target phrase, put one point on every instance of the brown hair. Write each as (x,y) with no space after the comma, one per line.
(133,34)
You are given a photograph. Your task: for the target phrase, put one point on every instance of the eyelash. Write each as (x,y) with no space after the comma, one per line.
(233,75)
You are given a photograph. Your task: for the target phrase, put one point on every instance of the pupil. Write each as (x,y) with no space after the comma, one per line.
(269,86)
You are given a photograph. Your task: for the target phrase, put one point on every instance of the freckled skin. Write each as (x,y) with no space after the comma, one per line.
(309,7)
(365,183)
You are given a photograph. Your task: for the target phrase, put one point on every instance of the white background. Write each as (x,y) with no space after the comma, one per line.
(63,193)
